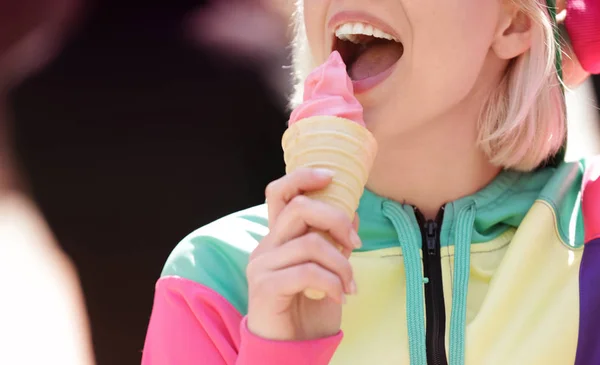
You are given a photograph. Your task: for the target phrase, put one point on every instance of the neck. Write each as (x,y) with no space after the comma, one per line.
(432,165)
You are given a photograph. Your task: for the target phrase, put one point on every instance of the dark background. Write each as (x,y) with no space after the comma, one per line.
(132,138)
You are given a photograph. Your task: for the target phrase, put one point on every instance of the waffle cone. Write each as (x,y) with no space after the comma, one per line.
(337,144)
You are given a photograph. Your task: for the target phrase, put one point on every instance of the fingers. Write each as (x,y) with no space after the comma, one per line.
(308,243)
(292,280)
(356,222)
(280,192)
(312,247)
(304,213)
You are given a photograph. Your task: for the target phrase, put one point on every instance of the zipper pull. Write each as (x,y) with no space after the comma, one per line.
(431,228)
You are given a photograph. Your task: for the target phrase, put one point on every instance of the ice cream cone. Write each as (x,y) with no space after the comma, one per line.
(337,144)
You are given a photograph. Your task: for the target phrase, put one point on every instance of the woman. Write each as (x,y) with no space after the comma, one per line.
(470,245)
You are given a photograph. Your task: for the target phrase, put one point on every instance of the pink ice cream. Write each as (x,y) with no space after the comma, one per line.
(328,91)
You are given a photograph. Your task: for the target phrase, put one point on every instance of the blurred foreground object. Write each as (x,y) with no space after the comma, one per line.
(41,311)
(132,138)
(31,32)
(42,315)
(251,32)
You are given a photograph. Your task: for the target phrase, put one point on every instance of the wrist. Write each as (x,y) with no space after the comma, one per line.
(269,330)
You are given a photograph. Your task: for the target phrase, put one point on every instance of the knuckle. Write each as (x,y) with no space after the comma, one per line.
(260,249)
(259,284)
(331,283)
(256,264)
(335,283)
(251,270)
(314,243)
(298,202)
(340,218)
(272,189)
(310,271)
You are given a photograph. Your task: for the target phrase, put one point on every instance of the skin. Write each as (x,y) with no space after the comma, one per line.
(455,52)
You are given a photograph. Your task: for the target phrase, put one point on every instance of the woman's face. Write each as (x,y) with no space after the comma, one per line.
(440,63)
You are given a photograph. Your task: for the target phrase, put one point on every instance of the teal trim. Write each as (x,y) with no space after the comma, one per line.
(251,216)
(403,220)
(214,264)
(563,193)
(462,269)
(216,255)
(375,229)
(497,203)
(506,211)
(501,206)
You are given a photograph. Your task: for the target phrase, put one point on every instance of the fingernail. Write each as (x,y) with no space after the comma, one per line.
(356,242)
(344,301)
(324,173)
(353,289)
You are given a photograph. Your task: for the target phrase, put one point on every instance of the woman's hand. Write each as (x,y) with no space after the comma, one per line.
(293,257)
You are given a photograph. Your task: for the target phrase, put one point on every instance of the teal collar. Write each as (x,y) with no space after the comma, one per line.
(475,218)
(502,204)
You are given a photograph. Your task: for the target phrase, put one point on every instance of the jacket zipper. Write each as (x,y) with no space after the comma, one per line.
(434,290)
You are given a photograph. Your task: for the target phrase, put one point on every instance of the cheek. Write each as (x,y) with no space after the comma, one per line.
(451,42)
(315,17)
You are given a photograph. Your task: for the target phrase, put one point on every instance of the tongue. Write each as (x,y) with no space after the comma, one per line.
(375,59)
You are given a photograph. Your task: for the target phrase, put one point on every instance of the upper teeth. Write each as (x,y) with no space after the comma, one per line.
(352,31)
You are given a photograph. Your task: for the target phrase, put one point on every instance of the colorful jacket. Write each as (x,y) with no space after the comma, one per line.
(503,277)
(506,276)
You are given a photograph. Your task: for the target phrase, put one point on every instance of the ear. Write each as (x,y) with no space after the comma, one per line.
(513,34)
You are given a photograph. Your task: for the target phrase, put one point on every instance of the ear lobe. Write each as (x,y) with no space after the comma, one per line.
(513,37)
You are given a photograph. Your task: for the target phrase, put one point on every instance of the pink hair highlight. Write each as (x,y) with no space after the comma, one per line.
(523,123)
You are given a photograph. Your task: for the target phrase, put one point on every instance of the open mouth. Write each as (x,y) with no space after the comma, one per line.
(368,52)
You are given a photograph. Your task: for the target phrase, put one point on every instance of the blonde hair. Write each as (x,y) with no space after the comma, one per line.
(523,123)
